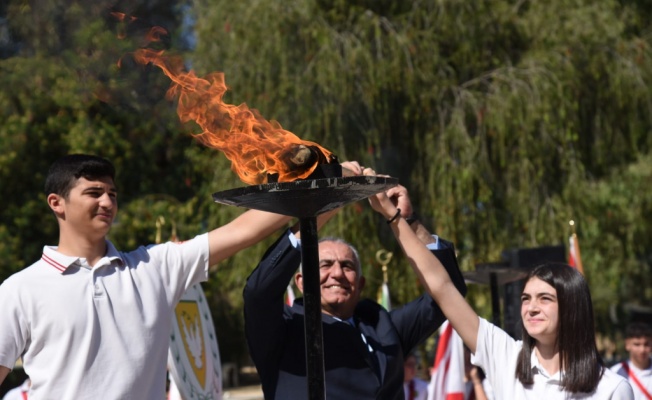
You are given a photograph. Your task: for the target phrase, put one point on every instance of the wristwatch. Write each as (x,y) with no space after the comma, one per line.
(412,218)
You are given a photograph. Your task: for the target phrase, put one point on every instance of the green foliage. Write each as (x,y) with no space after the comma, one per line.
(504,118)
(615,238)
(66,95)
(499,116)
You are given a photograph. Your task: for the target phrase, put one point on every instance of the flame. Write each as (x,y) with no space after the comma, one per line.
(256,147)
(122,17)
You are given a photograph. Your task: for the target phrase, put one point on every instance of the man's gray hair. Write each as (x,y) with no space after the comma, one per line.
(356,255)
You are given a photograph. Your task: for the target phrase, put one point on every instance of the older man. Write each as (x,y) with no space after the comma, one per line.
(364,345)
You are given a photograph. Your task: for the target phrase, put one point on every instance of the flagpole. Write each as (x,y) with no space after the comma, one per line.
(384,257)
(160,221)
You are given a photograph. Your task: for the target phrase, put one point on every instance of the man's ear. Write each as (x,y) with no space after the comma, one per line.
(298,280)
(362,283)
(56,203)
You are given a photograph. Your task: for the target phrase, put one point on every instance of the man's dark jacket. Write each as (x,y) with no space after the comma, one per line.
(275,334)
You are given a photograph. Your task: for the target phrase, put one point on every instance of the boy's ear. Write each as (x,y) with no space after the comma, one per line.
(56,203)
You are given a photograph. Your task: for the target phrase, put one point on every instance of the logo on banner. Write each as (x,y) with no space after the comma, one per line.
(194,358)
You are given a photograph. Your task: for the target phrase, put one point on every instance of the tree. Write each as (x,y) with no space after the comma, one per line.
(504,118)
(498,115)
(67,94)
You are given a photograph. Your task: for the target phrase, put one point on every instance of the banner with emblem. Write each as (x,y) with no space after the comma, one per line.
(193,357)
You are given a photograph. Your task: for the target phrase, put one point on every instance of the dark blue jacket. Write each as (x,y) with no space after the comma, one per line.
(276,339)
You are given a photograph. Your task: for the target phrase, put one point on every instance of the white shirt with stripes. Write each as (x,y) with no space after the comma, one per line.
(643,376)
(101,332)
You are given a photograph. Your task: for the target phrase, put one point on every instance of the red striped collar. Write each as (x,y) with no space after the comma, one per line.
(62,262)
(57,265)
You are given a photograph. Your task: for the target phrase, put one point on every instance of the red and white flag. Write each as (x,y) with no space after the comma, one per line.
(447,380)
(574,259)
(289,296)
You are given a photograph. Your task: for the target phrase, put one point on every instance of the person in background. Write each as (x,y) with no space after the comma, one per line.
(638,368)
(414,387)
(93,322)
(476,387)
(19,392)
(364,344)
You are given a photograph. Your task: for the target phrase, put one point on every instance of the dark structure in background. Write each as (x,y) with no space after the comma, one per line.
(15,378)
(506,279)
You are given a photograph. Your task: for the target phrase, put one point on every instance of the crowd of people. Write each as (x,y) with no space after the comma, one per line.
(91,321)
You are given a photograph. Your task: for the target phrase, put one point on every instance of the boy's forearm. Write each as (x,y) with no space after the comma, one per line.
(4,371)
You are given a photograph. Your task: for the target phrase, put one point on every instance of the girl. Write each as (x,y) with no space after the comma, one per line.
(557,358)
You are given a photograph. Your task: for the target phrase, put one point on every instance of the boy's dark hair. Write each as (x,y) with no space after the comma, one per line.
(637,330)
(65,171)
(578,355)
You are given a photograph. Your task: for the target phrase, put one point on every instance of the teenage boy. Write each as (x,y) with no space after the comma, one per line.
(92,322)
(638,369)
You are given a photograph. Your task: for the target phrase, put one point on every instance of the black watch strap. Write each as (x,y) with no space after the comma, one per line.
(412,218)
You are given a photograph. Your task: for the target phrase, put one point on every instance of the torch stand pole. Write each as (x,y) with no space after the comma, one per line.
(312,309)
(305,199)
(495,299)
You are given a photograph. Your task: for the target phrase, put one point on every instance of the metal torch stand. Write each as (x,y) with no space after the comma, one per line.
(306,199)
(312,309)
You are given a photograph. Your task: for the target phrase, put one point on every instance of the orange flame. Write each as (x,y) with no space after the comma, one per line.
(256,147)
(122,17)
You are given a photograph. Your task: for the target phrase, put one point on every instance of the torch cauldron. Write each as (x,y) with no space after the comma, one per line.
(306,199)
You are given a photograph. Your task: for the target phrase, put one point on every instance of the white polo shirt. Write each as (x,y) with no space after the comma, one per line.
(644,376)
(101,332)
(497,354)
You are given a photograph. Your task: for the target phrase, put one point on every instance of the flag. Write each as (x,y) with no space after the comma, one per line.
(574,259)
(383,291)
(447,379)
(383,297)
(289,295)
